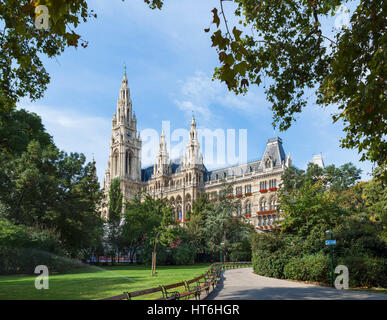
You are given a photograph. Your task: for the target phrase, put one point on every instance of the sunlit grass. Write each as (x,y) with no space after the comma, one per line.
(96,282)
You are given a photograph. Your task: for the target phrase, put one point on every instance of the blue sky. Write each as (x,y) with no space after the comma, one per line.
(169,63)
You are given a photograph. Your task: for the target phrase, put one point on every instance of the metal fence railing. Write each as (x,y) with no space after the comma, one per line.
(186,289)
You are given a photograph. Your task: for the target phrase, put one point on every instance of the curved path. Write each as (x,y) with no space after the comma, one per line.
(243,284)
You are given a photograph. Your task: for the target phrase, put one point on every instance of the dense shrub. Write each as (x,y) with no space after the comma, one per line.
(365,271)
(314,268)
(240,251)
(178,255)
(270,253)
(23,248)
(184,254)
(289,257)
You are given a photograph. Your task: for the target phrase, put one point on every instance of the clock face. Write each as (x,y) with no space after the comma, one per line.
(128,134)
(117,133)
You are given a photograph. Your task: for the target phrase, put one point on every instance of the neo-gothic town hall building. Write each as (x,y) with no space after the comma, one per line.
(255,183)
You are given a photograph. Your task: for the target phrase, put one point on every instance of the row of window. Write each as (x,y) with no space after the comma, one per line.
(272,184)
(247,210)
(223,175)
(263,206)
(188,178)
(267,221)
(247,188)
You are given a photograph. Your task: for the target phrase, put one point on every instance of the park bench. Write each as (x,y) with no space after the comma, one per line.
(130,295)
(193,288)
(171,295)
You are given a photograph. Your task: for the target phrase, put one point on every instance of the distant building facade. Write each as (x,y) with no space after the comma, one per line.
(184,180)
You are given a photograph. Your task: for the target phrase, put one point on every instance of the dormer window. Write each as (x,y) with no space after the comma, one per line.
(267,164)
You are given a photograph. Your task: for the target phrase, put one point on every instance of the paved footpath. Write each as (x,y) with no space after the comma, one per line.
(243,284)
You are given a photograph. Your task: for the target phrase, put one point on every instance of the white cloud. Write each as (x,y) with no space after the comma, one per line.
(200,94)
(74,131)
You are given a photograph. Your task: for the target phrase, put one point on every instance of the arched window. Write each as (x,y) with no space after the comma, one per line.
(262,204)
(115,163)
(179,207)
(248,208)
(272,203)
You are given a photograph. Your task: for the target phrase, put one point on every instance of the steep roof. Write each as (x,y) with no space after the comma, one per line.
(275,151)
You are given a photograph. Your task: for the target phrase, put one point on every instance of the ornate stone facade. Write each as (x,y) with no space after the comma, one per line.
(182,181)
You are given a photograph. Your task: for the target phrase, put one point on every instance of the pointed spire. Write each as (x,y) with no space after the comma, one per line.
(193,121)
(163,143)
(124,83)
(124,110)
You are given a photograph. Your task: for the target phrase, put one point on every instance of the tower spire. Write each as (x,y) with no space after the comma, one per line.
(124,105)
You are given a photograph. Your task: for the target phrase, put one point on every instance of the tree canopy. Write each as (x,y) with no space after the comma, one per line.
(288,45)
(50,197)
(284,42)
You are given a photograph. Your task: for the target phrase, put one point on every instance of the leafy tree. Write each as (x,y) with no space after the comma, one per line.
(18,128)
(79,220)
(292,179)
(29,186)
(325,199)
(222,228)
(22,44)
(115,217)
(342,178)
(375,197)
(286,43)
(196,222)
(162,234)
(141,218)
(308,208)
(42,187)
(336,179)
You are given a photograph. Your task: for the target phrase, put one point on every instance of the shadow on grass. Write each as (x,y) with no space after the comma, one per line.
(96,283)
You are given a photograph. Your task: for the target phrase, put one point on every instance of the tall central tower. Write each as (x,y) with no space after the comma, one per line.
(125,146)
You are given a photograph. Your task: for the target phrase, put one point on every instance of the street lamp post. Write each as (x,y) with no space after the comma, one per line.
(220,251)
(331,251)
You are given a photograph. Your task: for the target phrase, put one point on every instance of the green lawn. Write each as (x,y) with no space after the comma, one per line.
(96,282)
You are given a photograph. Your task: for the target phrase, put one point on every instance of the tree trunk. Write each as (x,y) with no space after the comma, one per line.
(154,259)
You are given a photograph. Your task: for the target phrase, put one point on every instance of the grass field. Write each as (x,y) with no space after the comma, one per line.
(92,282)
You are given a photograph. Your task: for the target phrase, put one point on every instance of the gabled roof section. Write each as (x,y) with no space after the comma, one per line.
(232,171)
(274,151)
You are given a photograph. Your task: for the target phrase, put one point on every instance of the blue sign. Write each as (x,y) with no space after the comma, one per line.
(330,242)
